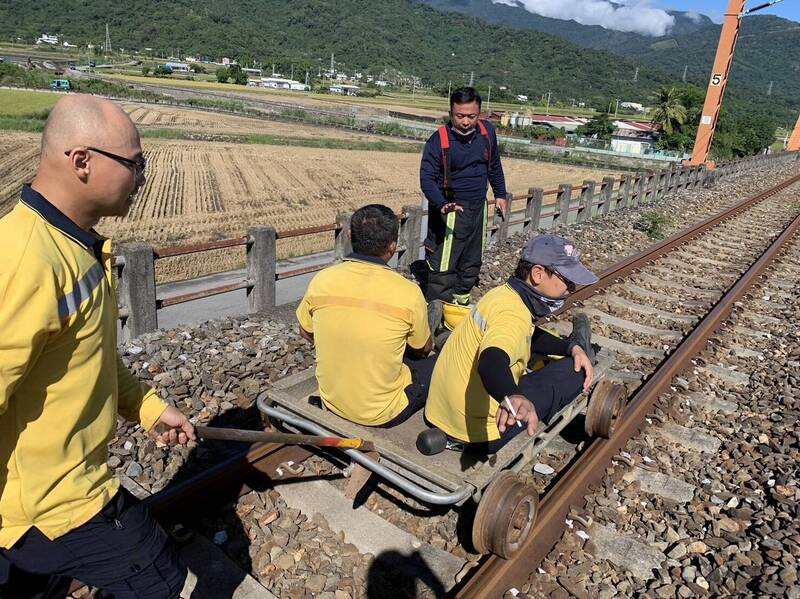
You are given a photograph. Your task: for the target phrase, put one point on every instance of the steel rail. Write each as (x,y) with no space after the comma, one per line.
(636,261)
(496,575)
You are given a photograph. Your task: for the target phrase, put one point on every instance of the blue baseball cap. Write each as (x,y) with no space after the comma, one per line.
(558,254)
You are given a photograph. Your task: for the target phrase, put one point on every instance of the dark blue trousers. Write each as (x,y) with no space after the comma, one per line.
(550,389)
(122,551)
(417,391)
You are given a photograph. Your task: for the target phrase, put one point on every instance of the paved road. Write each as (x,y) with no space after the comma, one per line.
(235,302)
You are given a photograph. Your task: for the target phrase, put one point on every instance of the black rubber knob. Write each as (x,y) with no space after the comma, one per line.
(431,441)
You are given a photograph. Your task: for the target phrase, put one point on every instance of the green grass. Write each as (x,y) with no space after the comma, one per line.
(653,223)
(22,103)
(15,123)
(282,140)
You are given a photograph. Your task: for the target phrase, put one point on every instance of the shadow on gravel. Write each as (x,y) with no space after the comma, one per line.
(222,521)
(394,575)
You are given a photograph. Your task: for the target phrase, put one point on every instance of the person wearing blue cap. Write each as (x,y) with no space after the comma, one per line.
(481,391)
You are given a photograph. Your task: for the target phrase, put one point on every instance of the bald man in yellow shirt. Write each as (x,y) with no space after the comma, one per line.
(63,514)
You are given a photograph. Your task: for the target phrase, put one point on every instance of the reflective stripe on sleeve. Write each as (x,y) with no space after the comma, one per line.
(68,304)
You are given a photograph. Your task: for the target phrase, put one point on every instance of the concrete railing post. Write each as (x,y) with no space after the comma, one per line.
(137,289)
(501,232)
(625,191)
(649,191)
(606,191)
(668,182)
(587,199)
(341,244)
(563,199)
(655,180)
(262,262)
(638,197)
(533,209)
(661,189)
(410,235)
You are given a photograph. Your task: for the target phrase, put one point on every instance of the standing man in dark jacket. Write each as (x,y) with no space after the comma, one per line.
(458,163)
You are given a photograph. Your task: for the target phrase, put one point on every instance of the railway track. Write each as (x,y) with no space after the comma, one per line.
(655,310)
(727,277)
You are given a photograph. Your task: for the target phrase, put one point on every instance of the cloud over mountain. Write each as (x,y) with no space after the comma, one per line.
(638,16)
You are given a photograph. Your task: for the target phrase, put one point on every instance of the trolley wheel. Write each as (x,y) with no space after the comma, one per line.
(605,406)
(505,516)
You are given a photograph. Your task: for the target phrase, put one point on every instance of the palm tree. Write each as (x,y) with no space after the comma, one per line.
(670,113)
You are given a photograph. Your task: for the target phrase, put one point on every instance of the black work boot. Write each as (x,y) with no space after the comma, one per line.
(435,312)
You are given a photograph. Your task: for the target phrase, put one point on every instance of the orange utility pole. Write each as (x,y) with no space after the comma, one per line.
(717,83)
(794,140)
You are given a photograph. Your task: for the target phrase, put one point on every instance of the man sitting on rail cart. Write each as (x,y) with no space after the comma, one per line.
(481,372)
(364,318)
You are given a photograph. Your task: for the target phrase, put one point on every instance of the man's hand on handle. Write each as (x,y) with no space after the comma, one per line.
(502,205)
(526,414)
(452,206)
(173,427)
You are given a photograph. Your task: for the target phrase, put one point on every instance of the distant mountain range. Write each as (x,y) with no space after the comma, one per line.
(364,35)
(441,41)
(768,49)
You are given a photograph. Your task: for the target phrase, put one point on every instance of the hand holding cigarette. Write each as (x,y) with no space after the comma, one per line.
(514,410)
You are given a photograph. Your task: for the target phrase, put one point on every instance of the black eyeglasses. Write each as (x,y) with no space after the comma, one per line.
(570,285)
(139,164)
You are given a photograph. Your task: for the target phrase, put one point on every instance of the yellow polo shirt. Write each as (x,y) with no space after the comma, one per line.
(457,402)
(61,380)
(363,314)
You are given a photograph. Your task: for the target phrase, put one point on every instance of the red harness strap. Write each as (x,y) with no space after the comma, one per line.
(445,143)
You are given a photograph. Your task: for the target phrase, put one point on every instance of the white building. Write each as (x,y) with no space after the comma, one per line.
(281,83)
(522,98)
(345,90)
(632,106)
(68,45)
(177,66)
(47,39)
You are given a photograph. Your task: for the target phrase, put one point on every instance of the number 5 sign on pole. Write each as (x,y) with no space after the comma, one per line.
(716,85)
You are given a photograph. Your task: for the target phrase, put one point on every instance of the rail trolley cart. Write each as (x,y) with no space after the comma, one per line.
(507,506)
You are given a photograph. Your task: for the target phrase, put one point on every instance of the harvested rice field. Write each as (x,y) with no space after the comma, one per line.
(206,190)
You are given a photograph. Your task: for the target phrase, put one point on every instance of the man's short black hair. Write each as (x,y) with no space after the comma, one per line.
(523,270)
(372,228)
(465,95)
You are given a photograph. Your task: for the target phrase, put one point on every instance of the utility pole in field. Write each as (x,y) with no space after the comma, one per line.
(489,102)
(636,75)
(769,89)
(471,78)
(107,43)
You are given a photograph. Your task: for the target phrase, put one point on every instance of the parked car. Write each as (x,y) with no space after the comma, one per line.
(61,84)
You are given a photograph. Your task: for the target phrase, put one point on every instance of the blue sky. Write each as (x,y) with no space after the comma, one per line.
(788,9)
